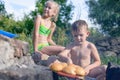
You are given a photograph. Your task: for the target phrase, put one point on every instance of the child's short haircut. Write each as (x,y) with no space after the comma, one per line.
(77,25)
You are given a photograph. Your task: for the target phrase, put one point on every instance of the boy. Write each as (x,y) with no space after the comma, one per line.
(82,52)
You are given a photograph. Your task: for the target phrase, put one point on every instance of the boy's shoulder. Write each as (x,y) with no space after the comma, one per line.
(90,44)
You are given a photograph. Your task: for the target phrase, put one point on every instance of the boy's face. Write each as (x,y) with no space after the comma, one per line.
(80,35)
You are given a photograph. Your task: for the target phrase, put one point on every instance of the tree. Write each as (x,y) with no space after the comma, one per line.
(107,14)
(6,20)
(2,8)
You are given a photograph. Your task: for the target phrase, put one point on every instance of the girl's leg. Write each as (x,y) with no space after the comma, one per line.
(52,50)
(44,54)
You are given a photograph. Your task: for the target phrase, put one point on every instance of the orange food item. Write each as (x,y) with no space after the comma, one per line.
(80,71)
(64,64)
(73,65)
(69,70)
(56,66)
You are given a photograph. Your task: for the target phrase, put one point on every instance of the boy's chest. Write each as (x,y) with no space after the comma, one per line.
(83,52)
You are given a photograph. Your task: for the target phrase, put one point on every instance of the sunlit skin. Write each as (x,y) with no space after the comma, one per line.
(50,10)
(81,52)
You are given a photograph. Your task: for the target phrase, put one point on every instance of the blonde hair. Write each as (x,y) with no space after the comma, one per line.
(57,8)
(77,25)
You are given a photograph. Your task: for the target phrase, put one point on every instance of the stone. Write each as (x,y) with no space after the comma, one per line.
(35,73)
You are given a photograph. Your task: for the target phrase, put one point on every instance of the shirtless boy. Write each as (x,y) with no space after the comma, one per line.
(82,52)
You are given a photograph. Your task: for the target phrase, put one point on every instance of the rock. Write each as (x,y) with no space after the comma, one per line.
(110,53)
(17,47)
(35,73)
(110,44)
(16,62)
(21,48)
(6,52)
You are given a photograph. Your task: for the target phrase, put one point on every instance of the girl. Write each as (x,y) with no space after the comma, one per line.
(43,31)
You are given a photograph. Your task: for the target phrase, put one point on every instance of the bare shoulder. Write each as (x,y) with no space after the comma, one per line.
(91,45)
(37,21)
(53,25)
(38,17)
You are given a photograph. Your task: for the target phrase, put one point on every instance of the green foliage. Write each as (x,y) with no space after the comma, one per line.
(39,7)
(2,8)
(65,15)
(60,36)
(28,24)
(7,23)
(107,14)
(106,59)
(95,34)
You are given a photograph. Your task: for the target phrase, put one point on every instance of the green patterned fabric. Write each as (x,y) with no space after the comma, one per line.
(41,45)
(44,31)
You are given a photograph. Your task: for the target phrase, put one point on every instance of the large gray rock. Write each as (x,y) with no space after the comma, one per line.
(24,68)
(110,45)
(26,73)
(16,48)
(16,62)
(6,52)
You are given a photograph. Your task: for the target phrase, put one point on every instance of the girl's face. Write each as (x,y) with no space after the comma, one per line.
(80,35)
(49,9)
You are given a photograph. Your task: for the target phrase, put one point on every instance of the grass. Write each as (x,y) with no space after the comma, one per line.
(106,59)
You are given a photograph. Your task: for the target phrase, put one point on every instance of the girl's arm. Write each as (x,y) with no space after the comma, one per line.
(51,42)
(35,33)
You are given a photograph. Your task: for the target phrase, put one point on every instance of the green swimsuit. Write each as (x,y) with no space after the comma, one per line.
(43,31)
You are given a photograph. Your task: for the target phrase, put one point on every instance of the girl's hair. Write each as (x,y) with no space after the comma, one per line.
(57,8)
(77,25)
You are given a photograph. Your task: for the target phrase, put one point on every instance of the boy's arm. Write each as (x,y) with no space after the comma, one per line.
(95,56)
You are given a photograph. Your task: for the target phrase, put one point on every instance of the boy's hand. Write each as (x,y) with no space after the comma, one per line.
(87,70)
(69,61)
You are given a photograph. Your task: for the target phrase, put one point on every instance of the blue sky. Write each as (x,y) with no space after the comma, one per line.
(19,7)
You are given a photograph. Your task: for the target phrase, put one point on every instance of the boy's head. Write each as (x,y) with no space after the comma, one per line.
(80,31)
